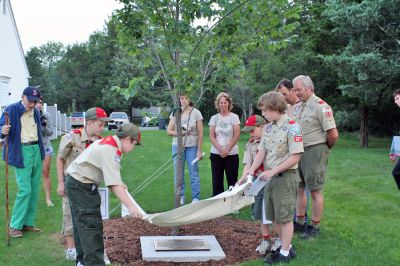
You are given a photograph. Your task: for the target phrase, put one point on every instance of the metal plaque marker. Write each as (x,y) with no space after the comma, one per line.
(180,244)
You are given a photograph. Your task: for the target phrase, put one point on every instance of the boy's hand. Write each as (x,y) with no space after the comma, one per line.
(61,189)
(135,213)
(266,175)
(242,180)
(392,157)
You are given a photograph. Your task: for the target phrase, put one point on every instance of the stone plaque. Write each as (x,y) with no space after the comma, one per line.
(180,244)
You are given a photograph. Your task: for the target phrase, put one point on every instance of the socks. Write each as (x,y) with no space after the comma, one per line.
(266,237)
(300,219)
(284,252)
(315,223)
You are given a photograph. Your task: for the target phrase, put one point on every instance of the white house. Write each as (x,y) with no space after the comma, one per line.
(14,73)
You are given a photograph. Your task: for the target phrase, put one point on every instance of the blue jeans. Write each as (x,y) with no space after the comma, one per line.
(189,154)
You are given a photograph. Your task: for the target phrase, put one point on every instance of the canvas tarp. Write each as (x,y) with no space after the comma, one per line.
(220,205)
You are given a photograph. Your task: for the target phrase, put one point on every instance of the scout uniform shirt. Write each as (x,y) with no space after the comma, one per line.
(250,153)
(100,162)
(72,144)
(280,140)
(315,118)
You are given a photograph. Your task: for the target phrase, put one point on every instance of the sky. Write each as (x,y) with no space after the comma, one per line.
(66,21)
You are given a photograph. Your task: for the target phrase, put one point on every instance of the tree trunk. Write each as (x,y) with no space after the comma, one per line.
(364,127)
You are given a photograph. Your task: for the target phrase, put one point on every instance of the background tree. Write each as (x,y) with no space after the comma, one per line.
(368,62)
(169,36)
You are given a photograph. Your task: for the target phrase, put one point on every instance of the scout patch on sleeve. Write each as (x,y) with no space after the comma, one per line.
(68,135)
(327,111)
(268,129)
(298,138)
(295,130)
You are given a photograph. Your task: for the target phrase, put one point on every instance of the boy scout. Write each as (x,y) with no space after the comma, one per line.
(98,163)
(279,151)
(71,145)
(320,134)
(254,125)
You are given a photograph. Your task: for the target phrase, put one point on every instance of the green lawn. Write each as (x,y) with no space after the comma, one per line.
(360,224)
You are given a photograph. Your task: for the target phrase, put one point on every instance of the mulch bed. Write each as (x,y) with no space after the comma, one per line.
(237,238)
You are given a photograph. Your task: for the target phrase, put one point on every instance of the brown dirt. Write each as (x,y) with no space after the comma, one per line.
(237,238)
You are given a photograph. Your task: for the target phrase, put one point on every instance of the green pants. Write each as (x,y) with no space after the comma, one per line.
(85,202)
(28,182)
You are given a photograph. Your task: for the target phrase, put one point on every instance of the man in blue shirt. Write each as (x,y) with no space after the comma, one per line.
(25,153)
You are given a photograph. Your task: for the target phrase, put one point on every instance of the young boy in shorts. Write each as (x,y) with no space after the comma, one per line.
(279,151)
(254,126)
(98,163)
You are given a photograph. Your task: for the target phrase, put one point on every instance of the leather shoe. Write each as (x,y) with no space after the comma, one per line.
(31,229)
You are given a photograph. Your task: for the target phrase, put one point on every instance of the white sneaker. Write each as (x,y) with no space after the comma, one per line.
(106,259)
(80,264)
(264,247)
(195,200)
(182,200)
(276,243)
(70,254)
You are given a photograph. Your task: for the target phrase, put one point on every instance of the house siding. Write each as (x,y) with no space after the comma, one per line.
(13,67)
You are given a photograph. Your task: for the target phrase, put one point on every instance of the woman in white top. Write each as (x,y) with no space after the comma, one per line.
(192,131)
(224,135)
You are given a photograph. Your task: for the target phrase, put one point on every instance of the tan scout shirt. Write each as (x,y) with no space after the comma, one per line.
(72,144)
(315,118)
(98,163)
(29,131)
(250,152)
(280,140)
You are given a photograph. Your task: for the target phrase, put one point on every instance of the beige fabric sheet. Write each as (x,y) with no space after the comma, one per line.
(220,205)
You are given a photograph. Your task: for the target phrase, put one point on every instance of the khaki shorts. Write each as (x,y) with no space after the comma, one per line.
(280,196)
(313,166)
(67,228)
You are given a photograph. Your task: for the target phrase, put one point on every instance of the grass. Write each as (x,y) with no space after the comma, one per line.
(359,226)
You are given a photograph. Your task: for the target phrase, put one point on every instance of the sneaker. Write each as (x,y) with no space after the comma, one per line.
(15,233)
(292,251)
(264,247)
(274,257)
(32,229)
(311,231)
(195,200)
(70,254)
(299,228)
(278,258)
(276,244)
(49,203)
(80,264)
(106,259)
(182,200)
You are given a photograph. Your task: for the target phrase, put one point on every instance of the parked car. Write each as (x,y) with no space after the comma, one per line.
(119,118)
(77,120)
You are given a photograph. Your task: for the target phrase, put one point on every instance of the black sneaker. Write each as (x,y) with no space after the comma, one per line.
(311,231)
(292,254)
(279,258)
(299,228)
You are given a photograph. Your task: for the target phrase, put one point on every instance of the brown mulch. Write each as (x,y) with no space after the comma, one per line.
(237,238)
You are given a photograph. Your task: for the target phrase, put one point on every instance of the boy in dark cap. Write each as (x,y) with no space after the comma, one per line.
(99,163)
(25,153)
